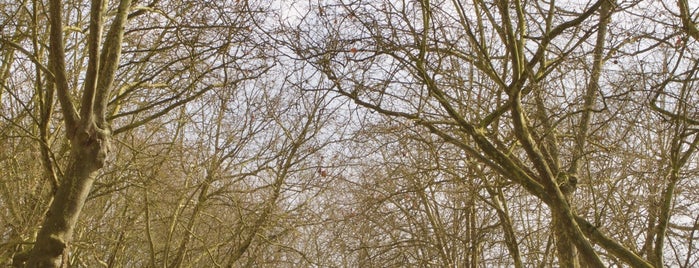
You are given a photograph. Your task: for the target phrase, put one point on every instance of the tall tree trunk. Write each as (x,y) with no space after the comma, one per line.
(567,255)
(87,130)
(87,156)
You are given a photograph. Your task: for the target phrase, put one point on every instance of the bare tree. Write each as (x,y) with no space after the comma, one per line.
(103,99)
(348,133)
(86,129)
(528,91)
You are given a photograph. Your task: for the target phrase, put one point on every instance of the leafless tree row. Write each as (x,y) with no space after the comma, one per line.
(428,133)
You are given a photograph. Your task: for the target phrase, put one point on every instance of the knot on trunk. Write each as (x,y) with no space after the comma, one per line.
(567,183)
(104,145)
(95,143)
(55,246)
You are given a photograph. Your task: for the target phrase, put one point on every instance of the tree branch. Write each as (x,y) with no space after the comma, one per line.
(689,26)
(29,55)
(610,245)
(110,61)
(57,64)
(93,60)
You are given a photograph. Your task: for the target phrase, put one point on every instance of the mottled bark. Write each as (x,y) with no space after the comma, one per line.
(87,130)
(565,249)
(87,156)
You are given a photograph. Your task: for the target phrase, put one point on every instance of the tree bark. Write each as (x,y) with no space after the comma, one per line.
(87,131)
(567,255)
(87,156)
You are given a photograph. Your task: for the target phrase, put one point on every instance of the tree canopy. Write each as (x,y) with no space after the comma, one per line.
(335,133)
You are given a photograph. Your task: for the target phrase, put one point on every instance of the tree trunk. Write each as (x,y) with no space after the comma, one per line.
(87,130)
(567,254)
(87,156)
